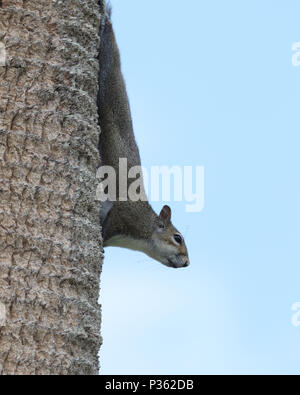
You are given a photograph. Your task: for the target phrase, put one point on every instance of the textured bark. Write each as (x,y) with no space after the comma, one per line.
(50,246)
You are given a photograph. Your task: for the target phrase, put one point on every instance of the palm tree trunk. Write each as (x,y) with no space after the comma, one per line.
(50,244)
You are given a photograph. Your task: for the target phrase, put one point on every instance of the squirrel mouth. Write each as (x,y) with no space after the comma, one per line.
(173,265)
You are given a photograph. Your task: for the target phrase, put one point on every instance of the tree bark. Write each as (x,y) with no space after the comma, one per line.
(50,243)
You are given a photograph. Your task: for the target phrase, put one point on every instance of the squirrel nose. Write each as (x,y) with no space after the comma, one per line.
(186,263)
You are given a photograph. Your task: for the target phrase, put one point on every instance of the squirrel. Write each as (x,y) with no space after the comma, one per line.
(128,224)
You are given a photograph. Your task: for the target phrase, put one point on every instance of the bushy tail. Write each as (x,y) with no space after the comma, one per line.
(108,9)
(108,51)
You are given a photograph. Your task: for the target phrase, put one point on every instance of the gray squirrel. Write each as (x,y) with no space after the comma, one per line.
(129,224)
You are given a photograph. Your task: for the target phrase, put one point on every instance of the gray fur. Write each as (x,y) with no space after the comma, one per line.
(128,224)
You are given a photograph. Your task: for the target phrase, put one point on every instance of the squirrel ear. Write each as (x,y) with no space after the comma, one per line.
(165,215)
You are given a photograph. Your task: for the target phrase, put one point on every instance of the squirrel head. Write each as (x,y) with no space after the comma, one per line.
(167,244)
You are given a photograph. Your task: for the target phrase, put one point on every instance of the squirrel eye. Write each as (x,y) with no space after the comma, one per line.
(178,239)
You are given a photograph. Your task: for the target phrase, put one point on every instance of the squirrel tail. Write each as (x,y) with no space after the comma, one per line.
(108,50)
(108,10)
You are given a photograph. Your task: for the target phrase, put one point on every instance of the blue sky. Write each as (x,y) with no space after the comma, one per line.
(212,84)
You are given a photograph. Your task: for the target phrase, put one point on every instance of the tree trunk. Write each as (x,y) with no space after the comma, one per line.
(50,244)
